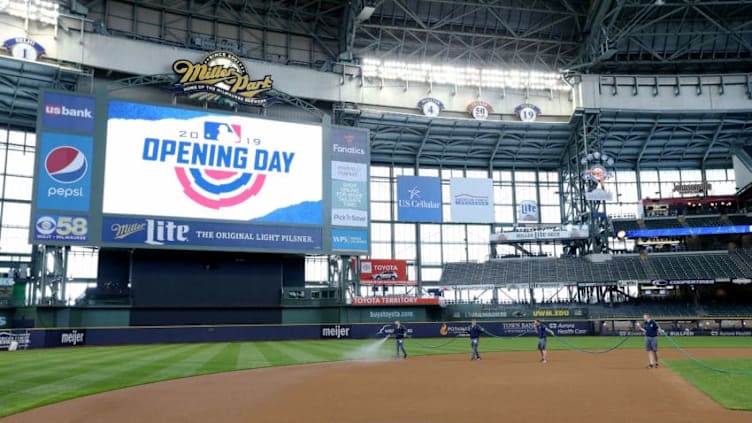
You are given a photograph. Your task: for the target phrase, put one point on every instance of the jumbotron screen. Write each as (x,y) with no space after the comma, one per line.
(154,176)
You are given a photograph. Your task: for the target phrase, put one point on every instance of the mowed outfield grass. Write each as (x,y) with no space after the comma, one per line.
(731,390)
(34,378)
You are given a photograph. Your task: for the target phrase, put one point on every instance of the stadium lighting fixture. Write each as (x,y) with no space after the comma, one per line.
(34,10)
(464,76)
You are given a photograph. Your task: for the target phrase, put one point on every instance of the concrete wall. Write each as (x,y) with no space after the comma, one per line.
(695,93)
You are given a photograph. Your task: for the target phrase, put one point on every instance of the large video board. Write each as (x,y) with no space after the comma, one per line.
(168,177)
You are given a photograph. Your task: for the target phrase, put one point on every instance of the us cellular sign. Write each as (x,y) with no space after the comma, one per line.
(419,199)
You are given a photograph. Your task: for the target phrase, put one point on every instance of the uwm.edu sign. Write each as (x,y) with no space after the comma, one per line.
(393,301)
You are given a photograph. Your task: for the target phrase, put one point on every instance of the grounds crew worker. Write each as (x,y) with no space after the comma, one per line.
(399,335)
(475,332)
(651,331)
(542,330)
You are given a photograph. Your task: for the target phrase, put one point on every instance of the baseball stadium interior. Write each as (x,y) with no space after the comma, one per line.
(431,160)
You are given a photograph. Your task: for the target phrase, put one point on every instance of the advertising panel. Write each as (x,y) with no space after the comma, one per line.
(569,232)
(64,172)
(374,271)
(350,240)
(687,231)
(189,233)
(336,331)
(394,301)
(528,211)
(68,112)
(471,200)
(201,165)
(419,199)
(349,173)
(66,228)
(65,338)
(20,339)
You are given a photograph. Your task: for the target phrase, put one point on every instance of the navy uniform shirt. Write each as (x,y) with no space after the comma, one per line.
(651,329)
(399,332)
(475,331)
(541,330)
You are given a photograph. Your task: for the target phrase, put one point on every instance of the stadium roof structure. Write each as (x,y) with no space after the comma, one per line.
(20,81)
(606,36)
(635,139)
(570,36)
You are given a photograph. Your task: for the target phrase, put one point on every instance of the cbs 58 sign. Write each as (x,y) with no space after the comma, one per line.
(51,227)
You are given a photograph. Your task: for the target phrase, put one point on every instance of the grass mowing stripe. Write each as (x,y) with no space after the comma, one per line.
(105,375)
(96,370)
(23,360)
(188,362)
(279,355)
(297,351)
(729,390)
(330,350)
(221,361)
(73,366)
(271,355)
(250,357)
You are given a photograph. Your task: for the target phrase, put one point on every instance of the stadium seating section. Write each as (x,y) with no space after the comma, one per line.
(705,265)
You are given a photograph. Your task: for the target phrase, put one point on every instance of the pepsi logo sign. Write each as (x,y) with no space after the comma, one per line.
(66,164)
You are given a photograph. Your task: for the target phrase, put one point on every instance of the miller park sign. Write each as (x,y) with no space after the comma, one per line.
(219,74)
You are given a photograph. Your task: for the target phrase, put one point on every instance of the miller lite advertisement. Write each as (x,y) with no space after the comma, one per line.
(383,272)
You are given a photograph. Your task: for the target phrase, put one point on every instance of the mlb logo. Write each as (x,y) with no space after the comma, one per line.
(222,132)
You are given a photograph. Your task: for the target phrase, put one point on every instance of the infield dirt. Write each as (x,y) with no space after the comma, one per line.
(503,387)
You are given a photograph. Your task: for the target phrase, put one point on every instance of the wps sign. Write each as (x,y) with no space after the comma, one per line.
(419,199)
(194,164)
(374,271)
(472,200)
